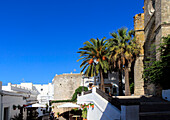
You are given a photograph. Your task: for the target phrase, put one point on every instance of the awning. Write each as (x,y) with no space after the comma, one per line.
(36,105)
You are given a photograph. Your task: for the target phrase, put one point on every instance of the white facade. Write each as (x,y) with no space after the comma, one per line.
(7,105)
(23,94)
(25,89)
(86,81)
(42,93)
(46,93)
(111,81)
(12,95)
(102,110)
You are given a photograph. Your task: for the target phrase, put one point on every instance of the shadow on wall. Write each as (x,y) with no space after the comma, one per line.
(109,114)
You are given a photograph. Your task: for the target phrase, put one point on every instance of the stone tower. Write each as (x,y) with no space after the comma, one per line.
(65,85)
(138,68)
(156,25)
(157,22)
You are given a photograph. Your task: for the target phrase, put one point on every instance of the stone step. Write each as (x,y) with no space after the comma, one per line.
(154,107)
(155,117)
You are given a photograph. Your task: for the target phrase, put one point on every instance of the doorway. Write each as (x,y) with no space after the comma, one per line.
(107,90)
(6,113)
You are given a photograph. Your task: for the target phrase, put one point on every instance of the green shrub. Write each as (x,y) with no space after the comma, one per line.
(132,88)
(158,71)
(74,97)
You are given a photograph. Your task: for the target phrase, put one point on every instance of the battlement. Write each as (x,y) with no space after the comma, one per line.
(139,22)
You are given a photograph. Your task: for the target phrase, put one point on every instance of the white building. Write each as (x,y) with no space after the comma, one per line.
(42,93)
(24,89)
(13,99)
(111,82)
(87,82)
(108,107)
(46,92)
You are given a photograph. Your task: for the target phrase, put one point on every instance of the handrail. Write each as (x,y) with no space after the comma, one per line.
(87,92)
(113,101)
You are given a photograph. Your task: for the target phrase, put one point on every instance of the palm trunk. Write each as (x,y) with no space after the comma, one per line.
(127,88)
(102,81)
(94,74)
(95,80)
(120,83)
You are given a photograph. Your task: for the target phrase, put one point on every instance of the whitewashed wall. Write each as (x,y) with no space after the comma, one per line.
(86,81)
(46,92)
(9,101)
(103,110)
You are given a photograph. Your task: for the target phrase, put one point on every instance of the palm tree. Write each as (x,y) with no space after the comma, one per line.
(94,50)
(123,50)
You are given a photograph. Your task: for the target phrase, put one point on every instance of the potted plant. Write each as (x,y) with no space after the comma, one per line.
(87,106)
(14,107)
(52,107)
(58,114)
(46,107)
(82,106)
(19,106)
(84,114)
(92,105)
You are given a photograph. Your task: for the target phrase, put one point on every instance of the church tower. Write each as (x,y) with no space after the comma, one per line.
(156,25)
(149,28)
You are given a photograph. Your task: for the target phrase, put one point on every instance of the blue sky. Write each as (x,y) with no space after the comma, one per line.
(40,38)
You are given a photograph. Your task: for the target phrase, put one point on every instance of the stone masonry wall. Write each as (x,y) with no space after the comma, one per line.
(156,25)
(64,88)
(65,85)
(165,17)
(138,68)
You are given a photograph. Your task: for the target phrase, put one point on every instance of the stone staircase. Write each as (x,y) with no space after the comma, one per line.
(150,108)
(154,109)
